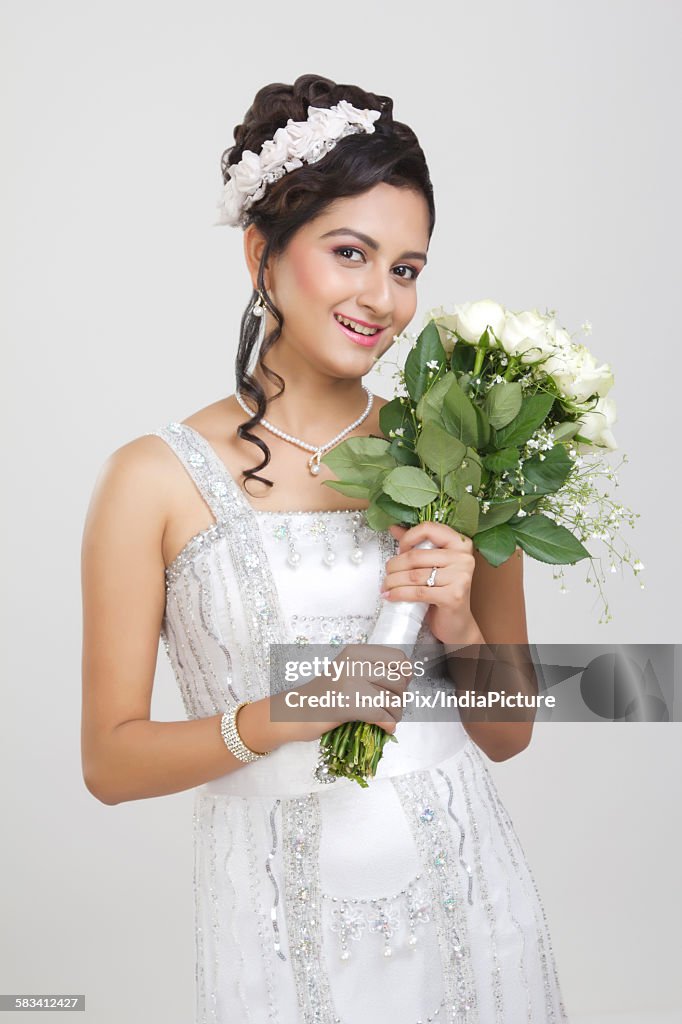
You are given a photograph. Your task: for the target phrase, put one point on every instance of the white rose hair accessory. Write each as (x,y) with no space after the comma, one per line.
(297,143)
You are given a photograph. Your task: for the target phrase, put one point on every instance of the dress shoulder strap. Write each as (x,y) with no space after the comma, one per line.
(208,472)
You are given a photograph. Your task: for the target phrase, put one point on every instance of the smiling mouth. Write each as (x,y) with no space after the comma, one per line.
(360,329)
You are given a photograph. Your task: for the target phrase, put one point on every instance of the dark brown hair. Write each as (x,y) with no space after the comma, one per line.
(390,154)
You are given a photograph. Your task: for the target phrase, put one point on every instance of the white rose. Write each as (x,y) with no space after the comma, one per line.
(326,123)
(576,374)
(300,136)
(293,164)
(529,335)
(274,151)
(247,174)
(445,324)
(596,425)
(471,319)
(229,205)
(365,118)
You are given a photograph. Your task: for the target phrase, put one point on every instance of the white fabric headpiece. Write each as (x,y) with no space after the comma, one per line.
(297,143)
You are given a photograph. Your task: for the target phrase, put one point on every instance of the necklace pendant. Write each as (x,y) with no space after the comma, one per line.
(314,462)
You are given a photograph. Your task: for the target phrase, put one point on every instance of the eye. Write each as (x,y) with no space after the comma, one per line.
(413,271)
(348,248)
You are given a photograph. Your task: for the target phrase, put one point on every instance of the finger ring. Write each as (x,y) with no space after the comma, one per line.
(431,582)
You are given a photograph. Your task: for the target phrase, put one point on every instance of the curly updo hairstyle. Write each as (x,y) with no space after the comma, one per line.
(356,163)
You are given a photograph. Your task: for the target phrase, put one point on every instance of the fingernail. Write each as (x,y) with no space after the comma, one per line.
(385,593)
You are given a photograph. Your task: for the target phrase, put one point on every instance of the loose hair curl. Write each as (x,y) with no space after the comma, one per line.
(391,154)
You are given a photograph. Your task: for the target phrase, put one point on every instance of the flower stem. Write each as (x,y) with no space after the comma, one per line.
(353,750)
(510,372)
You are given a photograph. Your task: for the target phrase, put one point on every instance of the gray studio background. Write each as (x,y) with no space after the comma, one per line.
(552,132)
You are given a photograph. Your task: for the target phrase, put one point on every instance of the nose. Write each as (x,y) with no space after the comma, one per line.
(375,294)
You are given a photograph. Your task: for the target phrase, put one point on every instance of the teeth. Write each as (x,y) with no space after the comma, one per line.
(356,327)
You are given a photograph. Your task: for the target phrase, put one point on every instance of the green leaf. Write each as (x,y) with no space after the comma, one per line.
(530,502)
(464,516)
(547,541)
(438,450)
(403,454)
(483,427)
(401,514)
(394,415)
(547,475)
(454,487)
(376,518)
(503,403)
(360,459)
(347,487)
(428,347)
(565,431)
(459,416)
(375,490)
(470,472)
(499,462)
(410,486)
(487,340)
(466,475)
(429,407)
(463,357)
(533,413)
(496,545)
(501,511)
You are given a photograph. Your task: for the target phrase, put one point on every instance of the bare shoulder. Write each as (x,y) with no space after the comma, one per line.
(131,498)
(138,467)
(148,467)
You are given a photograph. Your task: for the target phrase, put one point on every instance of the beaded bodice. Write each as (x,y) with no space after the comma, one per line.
(330,553)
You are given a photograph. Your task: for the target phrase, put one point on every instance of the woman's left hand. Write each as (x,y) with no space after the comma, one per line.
(449,618)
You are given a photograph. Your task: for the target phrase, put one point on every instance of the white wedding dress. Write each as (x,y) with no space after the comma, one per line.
(409,901)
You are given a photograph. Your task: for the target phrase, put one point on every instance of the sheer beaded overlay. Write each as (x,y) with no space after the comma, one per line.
(408,902)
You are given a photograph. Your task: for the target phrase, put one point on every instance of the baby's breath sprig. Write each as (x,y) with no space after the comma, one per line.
(591,514)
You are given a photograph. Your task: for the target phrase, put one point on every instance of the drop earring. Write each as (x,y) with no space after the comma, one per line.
(259,307)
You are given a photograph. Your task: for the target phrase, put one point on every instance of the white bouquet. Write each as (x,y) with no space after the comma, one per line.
(497,428)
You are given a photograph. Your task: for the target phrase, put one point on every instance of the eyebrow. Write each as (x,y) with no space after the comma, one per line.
(371,243)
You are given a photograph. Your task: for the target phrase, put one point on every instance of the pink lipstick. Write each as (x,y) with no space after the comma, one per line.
(366,340)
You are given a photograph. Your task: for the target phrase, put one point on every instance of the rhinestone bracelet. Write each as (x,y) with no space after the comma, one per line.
(233,741)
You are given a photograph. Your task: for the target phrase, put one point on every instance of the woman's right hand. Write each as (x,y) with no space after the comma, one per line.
(388,673)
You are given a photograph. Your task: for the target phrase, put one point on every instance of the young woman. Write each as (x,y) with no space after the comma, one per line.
(407,901)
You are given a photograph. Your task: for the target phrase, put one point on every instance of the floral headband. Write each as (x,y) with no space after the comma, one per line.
(297,143)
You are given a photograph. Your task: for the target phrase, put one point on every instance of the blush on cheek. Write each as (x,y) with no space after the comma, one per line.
(310,275)
(301,267)
(305,278)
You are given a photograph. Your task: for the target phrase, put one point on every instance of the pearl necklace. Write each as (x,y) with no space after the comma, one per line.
(314,460)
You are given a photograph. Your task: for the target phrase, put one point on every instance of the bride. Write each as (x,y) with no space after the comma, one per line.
(410,900)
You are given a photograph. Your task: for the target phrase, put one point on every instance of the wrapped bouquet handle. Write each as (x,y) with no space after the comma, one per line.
(399,622)
(353,750)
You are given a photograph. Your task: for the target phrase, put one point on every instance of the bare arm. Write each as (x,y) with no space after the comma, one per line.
(125,756)
(499,611)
